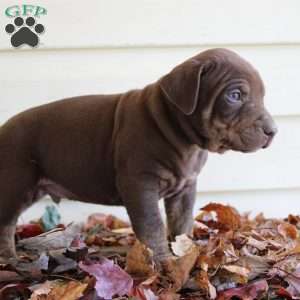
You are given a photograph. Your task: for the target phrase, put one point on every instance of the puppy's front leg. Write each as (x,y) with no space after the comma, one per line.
(7,242)
(141,200)
(179,210)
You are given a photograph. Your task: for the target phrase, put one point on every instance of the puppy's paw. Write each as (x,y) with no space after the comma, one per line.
(8,256)
(8,260)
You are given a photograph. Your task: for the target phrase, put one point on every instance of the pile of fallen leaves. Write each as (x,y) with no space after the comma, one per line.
(229,257)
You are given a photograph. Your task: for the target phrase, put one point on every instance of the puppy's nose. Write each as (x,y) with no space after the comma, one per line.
(270,129)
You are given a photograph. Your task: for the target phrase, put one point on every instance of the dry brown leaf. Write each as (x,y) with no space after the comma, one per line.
(182,245)
(139,261)
(169,295)
(127,230)
(200,281)
(292,219)
(288,230)
(294,284)
(224,217)
(258,265)
(141,293)
(9,276)
(178,269)
(233,274)
(41,291)
(107,221)
(286,266)
(71,290)
(260,245)
(242,271)
(200,230)
(218,252)
(293,251)
(54,239)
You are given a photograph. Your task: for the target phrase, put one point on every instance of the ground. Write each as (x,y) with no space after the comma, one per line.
(230,256)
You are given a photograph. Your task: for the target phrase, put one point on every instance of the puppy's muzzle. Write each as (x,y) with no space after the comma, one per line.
(270,129)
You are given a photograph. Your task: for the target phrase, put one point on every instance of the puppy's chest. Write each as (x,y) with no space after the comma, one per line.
(183,174)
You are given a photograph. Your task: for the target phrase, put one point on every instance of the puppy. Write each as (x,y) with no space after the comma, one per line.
(134,148)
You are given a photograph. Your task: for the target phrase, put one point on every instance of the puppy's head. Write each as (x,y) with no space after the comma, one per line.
(221,96)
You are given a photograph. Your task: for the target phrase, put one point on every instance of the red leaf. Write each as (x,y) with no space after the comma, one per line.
(29,230)
(14,291)
(282,292)
(248,292)
(111,280)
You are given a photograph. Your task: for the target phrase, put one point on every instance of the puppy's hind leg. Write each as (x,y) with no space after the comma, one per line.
(16,185)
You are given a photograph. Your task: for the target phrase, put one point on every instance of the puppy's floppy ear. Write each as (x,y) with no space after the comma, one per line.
(181,86)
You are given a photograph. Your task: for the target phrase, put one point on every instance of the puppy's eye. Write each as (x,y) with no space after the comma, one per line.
(233,96)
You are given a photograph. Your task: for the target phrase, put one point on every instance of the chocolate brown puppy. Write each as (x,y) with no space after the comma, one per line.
(135,148)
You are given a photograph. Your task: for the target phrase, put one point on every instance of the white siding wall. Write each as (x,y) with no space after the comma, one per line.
(112,46)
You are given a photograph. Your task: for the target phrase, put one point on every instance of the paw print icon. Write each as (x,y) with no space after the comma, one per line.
(24,32)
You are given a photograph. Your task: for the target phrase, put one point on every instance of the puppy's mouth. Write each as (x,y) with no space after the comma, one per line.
(224,146)
(268,143)
(222,149)
(246,141)
(239,143)
(216,147)
(251,143)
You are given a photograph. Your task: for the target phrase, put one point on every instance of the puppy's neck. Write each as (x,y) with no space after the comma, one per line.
(172,123)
